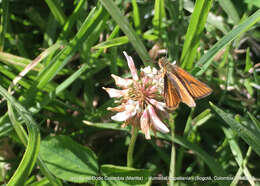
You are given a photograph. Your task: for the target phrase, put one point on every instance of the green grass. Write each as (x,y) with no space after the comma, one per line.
(55,57)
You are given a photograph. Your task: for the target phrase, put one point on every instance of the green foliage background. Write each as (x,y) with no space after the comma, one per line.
(54,126)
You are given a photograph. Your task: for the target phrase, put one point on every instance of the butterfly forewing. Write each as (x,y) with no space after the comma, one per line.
(181,90)
(196,88)
(171,96)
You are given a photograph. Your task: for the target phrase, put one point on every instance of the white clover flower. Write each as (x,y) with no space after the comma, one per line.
(140,99)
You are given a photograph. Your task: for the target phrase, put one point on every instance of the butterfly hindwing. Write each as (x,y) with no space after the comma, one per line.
(182,91)
(196,88)
(171,96)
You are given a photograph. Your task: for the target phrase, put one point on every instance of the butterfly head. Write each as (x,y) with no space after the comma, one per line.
(162,62)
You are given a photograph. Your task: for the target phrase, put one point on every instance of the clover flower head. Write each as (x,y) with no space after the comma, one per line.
(140,98)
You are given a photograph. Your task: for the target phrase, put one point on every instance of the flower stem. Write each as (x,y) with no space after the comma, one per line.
(132,146)
(173,153)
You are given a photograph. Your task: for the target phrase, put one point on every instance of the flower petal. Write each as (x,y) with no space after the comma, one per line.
(133,107)
(159,105)
(144,124)
(115,93)
(130,110)
(174,62)
(119,108)
(153,89)
(122,82)
(145,80)
(157,123)
(149,71)
(131,65)
(121,116)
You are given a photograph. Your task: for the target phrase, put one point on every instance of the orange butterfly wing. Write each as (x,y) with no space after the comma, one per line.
(196,88)
(176,92)
(183,93)
(171,96)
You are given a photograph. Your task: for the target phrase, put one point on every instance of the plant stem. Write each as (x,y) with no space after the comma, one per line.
(173,153)
(132,146)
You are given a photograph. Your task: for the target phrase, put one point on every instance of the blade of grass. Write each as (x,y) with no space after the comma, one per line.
(230,74)
(50,32)
(113,67)
(172,169)
(71,79)
(63,57)
(249,64)
(159,16)
(18,127)
(10,59)
(58,89)
(36,18)
(24,138)
(94,37)
(216,21)
(230,10)
(31,142)
(22,51)
(111,37)
(5,128)
(202,118)
(136,17)
(29,159)
(254,120)
(237,154)
(240,170)
(250,136)
(72,19)
(188,126)
(36,61)
(111,43)
(206,59)
(173,38)
(45,171)
(123,23)
(6,72)
(249,151)
(57,11)
(195,29)
(120,41)
(4,23)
